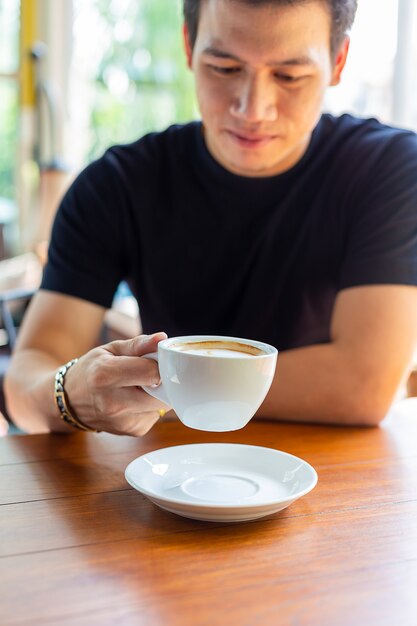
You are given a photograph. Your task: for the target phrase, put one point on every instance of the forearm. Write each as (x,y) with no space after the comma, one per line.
(29,389)
(104,388)
(322,384)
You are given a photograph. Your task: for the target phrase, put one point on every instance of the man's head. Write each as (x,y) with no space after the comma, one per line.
(261,72)
(342,14)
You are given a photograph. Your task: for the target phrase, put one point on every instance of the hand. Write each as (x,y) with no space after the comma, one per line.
(104,386)
(4,426)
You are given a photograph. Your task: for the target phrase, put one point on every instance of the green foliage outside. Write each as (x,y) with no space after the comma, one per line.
(9,27)
(8,138)
(144,54)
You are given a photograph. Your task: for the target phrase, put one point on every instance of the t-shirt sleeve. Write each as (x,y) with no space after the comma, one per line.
(85,256)
(381,244)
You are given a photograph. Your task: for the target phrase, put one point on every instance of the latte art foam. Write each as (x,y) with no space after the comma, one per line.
(218,349)
(224,354)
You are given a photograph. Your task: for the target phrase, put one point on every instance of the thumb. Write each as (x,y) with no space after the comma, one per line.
(137,346)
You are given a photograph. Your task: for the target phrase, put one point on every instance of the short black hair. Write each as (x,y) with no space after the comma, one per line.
(342,16)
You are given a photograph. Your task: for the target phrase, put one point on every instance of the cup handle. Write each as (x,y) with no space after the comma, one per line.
(156,392)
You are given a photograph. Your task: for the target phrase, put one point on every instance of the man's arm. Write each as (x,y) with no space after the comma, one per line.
(102,386)
(354,378)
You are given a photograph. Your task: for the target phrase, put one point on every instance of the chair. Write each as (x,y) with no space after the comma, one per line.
(19,279)
(13,304)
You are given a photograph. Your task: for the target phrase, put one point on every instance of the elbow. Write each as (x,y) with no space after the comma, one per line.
(10,400)
(8,395)
(366,394)
(25,405)
(367,419)
(14,402)
(367,409)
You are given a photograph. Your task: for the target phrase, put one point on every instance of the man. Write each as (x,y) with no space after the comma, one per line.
(267,221)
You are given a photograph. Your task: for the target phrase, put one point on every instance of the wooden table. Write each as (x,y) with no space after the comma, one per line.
(79,546)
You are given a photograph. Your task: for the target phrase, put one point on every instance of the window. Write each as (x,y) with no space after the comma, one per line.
(9,107)
(131,77)
(9,64)
(380,78)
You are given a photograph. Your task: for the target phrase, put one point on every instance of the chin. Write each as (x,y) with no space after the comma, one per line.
(244,162)
(253,167)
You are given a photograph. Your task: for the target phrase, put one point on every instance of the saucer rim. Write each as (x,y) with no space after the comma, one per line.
(224,506)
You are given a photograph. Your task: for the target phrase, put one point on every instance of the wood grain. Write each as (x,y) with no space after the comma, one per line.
(79,546)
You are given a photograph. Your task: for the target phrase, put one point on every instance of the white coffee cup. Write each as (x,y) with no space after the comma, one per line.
(212,382)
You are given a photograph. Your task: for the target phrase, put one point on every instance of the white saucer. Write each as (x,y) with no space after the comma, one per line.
(221,482)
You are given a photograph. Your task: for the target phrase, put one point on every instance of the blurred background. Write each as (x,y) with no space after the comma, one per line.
(79,75)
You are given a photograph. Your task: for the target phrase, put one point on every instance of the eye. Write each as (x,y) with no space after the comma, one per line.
(288,78)
(225,71)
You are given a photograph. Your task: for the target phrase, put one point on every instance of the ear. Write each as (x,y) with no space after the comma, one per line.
(340,62)
(187,46)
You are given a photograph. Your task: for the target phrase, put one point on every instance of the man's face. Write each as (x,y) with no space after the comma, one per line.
(261,75)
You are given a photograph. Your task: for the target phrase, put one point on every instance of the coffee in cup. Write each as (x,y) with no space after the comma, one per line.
(222,349)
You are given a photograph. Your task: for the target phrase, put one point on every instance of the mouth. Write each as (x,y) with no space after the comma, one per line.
(250,140)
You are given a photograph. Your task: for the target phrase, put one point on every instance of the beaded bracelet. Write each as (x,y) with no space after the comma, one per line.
(61,400)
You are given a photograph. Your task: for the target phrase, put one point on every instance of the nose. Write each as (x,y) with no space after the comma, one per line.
(255,101)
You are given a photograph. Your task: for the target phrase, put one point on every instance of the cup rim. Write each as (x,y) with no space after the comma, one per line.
(267,348)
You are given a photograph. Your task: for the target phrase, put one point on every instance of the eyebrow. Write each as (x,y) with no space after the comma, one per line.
(221,54)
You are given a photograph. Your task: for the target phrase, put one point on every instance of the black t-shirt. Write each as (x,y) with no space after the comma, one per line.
(206,251)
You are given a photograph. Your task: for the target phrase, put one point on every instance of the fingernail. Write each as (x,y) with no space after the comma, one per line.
(155,385)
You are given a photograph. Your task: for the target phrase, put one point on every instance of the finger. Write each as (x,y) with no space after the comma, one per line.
(125,371)
(136,425)
(137,346)
(118,409)
(141,399)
